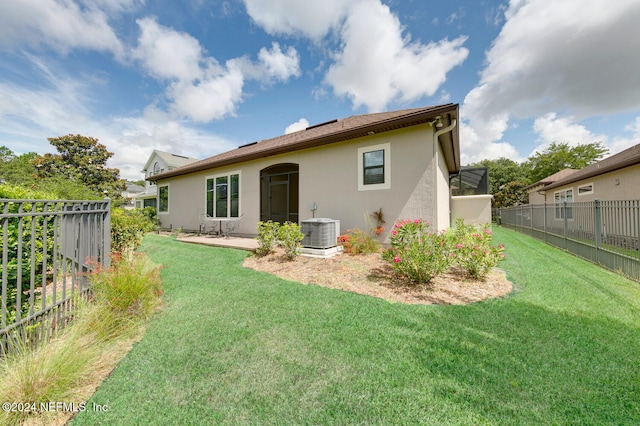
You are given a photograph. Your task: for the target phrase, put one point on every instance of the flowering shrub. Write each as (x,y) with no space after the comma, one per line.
(473,251)
(356,241)
(421,255)
(418,253)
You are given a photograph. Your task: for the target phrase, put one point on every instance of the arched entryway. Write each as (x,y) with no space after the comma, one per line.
(279,193)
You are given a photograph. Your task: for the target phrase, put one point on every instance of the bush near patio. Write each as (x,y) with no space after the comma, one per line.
(356,242)
(421,254)
(287,235)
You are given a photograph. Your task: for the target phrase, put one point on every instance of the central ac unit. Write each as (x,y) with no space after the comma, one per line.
(320,233)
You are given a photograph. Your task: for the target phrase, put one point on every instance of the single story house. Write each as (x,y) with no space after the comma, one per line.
(158,162)
(616,177)
(344,169)
(536,197)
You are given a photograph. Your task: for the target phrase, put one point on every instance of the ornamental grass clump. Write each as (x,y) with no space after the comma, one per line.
(418,253)
(473,250)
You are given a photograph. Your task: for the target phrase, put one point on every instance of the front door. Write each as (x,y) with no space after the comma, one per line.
(279,193)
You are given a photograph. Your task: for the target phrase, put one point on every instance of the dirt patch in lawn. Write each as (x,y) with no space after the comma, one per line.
(372,276)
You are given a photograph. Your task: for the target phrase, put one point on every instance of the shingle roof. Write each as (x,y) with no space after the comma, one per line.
(626,158)
(171,160)
(551,179)
(330,132)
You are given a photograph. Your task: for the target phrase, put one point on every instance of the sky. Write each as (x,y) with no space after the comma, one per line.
(198,77)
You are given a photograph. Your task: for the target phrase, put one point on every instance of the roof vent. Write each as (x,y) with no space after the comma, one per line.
(247,144)
(322,124)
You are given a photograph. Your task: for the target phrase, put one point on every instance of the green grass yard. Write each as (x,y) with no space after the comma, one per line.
(235,346)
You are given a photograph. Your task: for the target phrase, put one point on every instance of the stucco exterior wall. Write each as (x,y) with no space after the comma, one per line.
(474,209)
(623,184)
(329,178)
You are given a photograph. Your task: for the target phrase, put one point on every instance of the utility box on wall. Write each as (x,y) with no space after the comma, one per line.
(320,233)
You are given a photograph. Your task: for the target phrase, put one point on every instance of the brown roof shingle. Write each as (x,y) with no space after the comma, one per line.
(626,158)
(330,132)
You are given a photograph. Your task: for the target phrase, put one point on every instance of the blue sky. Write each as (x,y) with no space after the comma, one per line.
(197,77)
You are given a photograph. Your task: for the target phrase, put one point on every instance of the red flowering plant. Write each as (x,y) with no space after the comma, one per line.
(473,250)
(418,253)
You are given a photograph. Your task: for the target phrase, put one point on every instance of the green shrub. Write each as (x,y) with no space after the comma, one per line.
(356,241)
(128,227)
(267,237)
(418,253)
(289,236)
(473,251)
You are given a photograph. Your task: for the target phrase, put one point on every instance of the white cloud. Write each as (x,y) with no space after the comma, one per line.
(571,57)
(377,65)
(169,54)
(313,19)
(277,65)
(59,25)
(301,124)
(199,88)
(552,128)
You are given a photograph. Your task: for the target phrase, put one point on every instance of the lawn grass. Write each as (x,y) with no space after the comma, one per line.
(235,346)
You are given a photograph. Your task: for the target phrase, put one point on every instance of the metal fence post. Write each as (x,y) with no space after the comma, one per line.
(598,228)
(106,239)
(566,222)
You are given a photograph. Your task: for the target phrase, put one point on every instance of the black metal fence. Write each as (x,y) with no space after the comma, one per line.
(603,232)
(48,247)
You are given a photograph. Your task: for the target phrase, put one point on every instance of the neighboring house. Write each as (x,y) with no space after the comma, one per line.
(130,193)
(535,197)
(344,169)
(615,178)
(158,162)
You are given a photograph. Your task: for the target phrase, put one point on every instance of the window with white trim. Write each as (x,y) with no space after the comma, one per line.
(559,199)
(585,189)
(374,167)
(223,196)
(163,199)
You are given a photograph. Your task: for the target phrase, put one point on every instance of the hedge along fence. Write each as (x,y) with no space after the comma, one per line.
(46,248)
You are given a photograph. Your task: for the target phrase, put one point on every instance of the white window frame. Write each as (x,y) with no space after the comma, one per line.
(586,192)
(168,198)
(559,197)
(386,147)
(214,177)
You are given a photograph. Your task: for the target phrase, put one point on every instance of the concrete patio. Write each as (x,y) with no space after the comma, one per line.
(249,244)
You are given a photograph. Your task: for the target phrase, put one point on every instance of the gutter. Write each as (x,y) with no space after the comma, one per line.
(436,144)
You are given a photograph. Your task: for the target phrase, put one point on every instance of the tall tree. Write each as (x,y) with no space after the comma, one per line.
(561,156)
(82,159)
(506,180)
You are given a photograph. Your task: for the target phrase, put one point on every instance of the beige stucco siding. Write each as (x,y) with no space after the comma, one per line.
(329,178)
(623,184)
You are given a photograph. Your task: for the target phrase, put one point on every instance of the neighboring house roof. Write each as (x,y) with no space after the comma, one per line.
(551,179)
(626,158)
(171,160)
(132,188)
(336,131)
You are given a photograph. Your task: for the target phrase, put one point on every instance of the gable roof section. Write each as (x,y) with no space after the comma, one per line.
(551,179)
(626,158)
(337,131)
(171,160)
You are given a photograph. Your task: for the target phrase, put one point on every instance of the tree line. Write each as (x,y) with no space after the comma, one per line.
(77,171)
(508,178)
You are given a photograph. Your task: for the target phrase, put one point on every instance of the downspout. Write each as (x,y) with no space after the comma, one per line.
(436,144)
